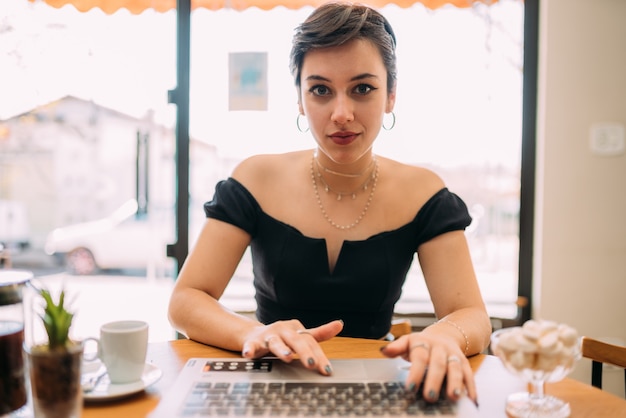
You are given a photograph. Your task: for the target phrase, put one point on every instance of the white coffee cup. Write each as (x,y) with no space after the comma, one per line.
(122,347)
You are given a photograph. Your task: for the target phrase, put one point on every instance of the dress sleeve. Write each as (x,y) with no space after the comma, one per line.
(233,203)
(444,212)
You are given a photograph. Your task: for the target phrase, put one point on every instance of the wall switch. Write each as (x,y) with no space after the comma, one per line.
(607,139)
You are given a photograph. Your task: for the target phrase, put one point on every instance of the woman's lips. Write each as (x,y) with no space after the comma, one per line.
(343,138)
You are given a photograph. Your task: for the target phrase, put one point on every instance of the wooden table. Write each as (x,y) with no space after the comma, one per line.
(493,381)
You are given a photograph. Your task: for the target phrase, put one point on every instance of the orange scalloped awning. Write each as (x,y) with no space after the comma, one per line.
(138,6)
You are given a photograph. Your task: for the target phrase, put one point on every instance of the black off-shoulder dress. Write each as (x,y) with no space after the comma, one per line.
(291,271)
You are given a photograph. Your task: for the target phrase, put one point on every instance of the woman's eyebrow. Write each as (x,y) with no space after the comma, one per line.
(363,76)
(317,78)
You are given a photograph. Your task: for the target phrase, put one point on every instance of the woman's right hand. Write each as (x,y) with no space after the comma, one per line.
(290,339)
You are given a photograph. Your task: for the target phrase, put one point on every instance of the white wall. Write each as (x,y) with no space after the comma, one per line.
(580,253)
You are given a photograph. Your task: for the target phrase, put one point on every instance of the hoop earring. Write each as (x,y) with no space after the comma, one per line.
(393,122)
(299,126)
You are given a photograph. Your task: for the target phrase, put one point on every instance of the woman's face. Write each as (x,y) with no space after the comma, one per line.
(344,96)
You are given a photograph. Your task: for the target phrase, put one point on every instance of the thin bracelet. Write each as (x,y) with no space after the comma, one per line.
(455,325)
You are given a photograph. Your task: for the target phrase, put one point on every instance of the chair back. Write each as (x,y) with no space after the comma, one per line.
(601,353)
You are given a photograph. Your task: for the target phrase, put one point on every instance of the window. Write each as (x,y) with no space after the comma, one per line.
(458,112)
(84,94)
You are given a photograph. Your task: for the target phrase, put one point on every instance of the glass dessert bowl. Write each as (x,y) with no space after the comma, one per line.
(539,352)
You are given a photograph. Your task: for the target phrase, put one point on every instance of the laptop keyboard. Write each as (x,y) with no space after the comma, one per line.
(291,399)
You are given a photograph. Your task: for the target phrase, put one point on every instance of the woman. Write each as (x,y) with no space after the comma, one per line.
(333,230)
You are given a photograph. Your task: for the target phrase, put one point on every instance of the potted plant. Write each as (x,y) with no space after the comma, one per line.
(55,365)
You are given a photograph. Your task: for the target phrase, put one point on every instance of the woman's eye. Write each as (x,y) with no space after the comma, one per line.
(319,90)
(363,89)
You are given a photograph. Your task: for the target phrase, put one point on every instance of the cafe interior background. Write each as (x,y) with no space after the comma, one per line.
(86,130)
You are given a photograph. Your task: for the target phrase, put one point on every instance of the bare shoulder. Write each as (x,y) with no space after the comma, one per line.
(411,180)
(405,189)
(259,171)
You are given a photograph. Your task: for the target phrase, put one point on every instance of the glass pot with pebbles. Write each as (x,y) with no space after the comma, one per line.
(539,351)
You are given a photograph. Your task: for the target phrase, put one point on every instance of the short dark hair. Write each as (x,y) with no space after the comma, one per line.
(335,24)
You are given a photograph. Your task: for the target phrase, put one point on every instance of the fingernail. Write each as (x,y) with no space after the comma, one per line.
(328,369)
(383,348)
(456,392)
(411,387)
(311,361)
(287,353)
(476,402)
(432,395)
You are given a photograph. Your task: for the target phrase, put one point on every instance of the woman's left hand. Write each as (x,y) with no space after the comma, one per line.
(442,358)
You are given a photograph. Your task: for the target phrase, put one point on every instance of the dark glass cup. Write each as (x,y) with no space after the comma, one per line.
(13,393)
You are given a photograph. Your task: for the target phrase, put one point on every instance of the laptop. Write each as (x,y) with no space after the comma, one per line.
(268,387)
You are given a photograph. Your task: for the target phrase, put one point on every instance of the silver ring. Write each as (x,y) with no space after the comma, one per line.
(454,359)
(304,331)
(419,345)
(268,339)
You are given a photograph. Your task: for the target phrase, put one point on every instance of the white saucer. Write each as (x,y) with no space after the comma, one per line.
(107,391)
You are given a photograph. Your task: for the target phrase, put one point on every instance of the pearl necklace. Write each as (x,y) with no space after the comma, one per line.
(340,194)
(321,206)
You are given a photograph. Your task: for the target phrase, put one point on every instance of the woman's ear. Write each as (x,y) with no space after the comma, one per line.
(391,100)
(299,96)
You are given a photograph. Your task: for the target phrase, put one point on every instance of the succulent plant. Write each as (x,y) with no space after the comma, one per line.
(55,365)
(56,319)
